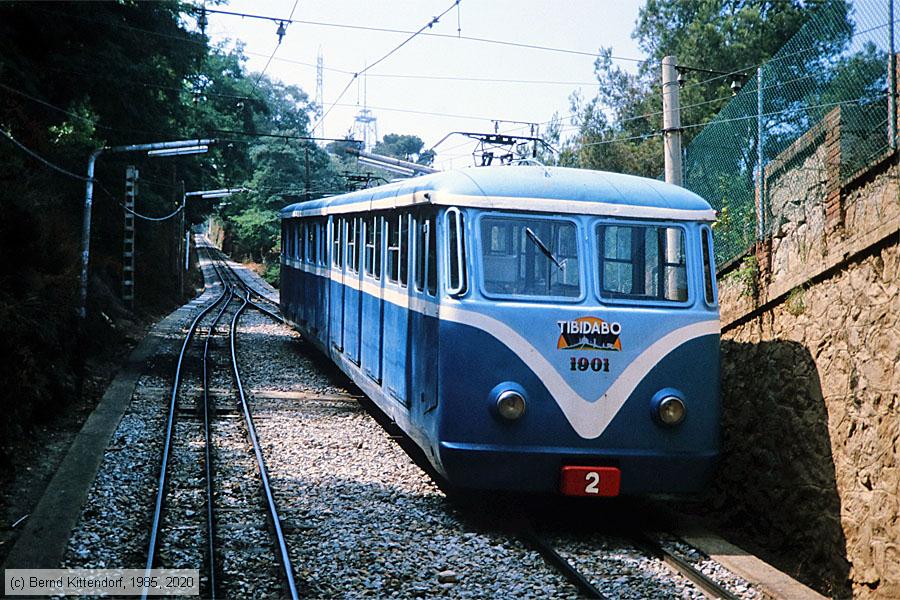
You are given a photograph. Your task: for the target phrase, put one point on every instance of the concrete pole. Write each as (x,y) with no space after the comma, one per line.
(86,234)
(671,121)
(760,157)
(892,81)
(195,148)
(178,236)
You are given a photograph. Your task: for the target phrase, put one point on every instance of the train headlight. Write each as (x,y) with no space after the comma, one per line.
(671,410)
(510,405)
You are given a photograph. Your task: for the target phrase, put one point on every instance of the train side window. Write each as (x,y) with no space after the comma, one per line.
(379,232)
(337,241)
(323,242)
(404,249)
(456,253)
(314,242)
(430,257)
(320,238)
(419,252)
(311,243)
(290,232)
(642,262)
(709,266)
(423,254)
(352,245)
(393,247)
(372,256)
(301,241)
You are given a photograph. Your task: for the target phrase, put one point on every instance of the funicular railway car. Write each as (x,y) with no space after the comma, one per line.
(530,328)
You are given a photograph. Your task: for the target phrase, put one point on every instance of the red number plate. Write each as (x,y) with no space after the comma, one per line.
(590,481)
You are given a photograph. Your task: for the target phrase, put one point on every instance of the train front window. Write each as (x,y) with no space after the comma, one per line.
(642,262)
(530,257)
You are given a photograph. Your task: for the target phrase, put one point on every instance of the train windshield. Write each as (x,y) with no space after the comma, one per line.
(530,257)
(642,262)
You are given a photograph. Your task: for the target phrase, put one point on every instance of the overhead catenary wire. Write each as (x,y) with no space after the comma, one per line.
(190,40)
(285,136)
(356,74)
(40,158)
(96,181)
(428,25)
(132,130)
(480,79)
(754,117)
(779,58)
(159,133)
(429,34)
(118,79)
(281,32)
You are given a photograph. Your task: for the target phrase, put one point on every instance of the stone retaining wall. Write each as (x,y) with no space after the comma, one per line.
(810,348)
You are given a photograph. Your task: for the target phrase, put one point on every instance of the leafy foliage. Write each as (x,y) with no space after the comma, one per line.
(404,147)
(78,76)
(618,129)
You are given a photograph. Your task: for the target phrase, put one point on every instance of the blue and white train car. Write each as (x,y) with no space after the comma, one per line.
(530,328)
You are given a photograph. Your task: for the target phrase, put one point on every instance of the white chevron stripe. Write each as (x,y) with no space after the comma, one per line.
(589,417)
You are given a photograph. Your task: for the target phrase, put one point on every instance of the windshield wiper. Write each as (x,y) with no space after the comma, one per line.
(543,247)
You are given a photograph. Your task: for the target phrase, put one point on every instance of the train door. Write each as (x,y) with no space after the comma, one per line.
(422,355)
(287,272)
(396,305)
(310,299)
(323,283)
(372,323)
(299,295)
(352,292)
(336,283)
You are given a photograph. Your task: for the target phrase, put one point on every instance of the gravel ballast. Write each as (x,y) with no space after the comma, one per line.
(360,518)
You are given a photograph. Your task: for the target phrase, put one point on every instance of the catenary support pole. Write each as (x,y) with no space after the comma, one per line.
(760,157)
(86,234)
(186,146)
(892,80)
(671,121)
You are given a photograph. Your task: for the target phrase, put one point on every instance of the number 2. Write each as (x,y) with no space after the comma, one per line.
(593,480)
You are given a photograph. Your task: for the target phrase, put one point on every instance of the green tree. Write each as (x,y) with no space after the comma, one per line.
(76,76)
(281,165)
(618,127)
(404,147)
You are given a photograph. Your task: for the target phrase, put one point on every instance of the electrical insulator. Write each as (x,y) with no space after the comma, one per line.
(281,31)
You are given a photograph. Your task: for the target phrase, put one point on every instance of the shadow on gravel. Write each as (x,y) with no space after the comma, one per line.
(775,491)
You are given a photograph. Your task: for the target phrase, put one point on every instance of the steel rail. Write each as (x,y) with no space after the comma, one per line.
(262,297)
(249,288)
(564,567)
(266,311)
(167,444)
(210,517)
(682,567)
(260,461)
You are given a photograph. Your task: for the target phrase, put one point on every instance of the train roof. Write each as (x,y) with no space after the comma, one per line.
(555,190)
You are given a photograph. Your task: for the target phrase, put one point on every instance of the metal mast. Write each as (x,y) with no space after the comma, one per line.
(320,92)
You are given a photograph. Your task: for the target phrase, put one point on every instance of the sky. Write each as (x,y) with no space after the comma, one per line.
(432,86)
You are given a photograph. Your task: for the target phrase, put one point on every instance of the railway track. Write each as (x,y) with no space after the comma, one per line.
(356,516)
(235,298)
(646,543)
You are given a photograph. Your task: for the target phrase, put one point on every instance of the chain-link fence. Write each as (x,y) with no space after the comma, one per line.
(840,61)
